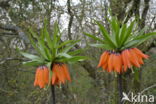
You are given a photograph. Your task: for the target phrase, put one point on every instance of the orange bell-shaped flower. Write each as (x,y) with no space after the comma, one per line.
(120,62)
(60,73)
(42,76)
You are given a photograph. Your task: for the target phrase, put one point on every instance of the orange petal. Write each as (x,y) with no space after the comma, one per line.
(117,63)
(115,59)
(138,52)
(127,54)
(119,68)
(39,77)
(66,72)
(54,74)
(59,73)
(42,78)
(105,66)
(46,75)
(110,62)
(125,59)
(57,82)
(63,77)
(103,58)
(41,83)
(53,78)
(133,58)
(140,59)
(36,78)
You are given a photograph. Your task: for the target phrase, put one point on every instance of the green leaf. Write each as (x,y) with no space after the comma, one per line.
(44,49)
(33,33)
(33,43)
(131,44)
(138,40)
(42,36)
(115,29)
(65,43)
(41,48)
(105,46)
(77,51)
(93,37)
(32,57)
(145,35)
(59,34)
(141,32)
(123,32)
(106,35)
(55,33)
(47,37)
(32,63)
(128,33)
(64,55)
(73,59)
(67,48)
(77,58)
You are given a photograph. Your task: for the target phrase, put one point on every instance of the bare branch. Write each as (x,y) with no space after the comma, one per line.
(144,14)
(70,20)
(7,33)
(85,64)
(3,60)
(5,4)
(15,29)
(134,10)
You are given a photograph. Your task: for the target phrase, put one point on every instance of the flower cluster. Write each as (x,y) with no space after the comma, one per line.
(120,62)
(42,76)
(59,75)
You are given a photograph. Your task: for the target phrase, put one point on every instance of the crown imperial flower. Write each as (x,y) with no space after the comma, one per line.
(42,76)
(51,55)
(120,44)
(120,62)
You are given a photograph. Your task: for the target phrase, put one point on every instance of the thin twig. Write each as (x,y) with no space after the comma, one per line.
(146,89)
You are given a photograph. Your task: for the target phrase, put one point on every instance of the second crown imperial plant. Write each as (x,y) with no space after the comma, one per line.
(120,44)
(52,56)
(120,62)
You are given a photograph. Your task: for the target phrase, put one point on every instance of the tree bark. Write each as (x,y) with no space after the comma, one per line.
(144,13)
(70,19)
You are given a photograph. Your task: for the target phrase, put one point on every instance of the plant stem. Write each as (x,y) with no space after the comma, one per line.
(53,94)
(120,88)
(52,89)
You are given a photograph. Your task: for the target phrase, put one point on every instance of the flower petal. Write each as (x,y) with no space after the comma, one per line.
(125,59)
(46,75)
(110,62)
(66,72)
(133,58)
(103,59)
(138,52)
(36,77)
